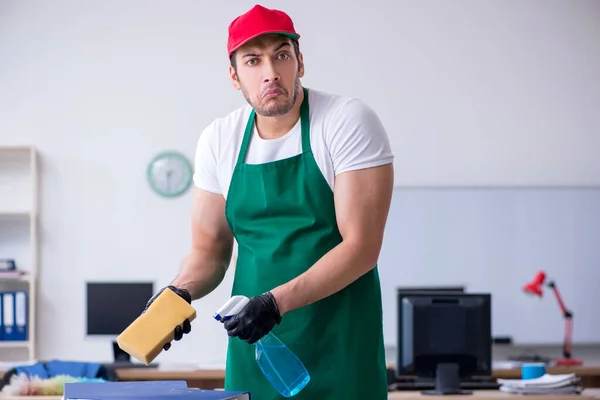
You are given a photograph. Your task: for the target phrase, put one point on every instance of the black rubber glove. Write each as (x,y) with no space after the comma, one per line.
(187,327)
(255,320)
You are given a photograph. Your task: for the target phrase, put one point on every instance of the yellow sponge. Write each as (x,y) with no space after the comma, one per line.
(145,337)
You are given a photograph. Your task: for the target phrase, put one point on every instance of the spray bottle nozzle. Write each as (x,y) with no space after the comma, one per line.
(233,306)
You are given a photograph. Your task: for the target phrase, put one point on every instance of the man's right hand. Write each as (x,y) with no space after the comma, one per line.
(205,266)
(179,331)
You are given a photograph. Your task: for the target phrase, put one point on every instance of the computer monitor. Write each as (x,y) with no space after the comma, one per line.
(430,289)
(445,338)
(112,307)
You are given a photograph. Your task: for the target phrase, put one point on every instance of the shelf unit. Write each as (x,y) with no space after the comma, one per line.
(19,218)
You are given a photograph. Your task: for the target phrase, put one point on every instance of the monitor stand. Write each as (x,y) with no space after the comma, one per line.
(447,381)
(120,356)
(123,360)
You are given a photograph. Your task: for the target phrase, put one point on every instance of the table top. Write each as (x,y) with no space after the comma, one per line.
(588,394)
(151,373)
(30,397)
(218,374)
(145,373)
(163,374)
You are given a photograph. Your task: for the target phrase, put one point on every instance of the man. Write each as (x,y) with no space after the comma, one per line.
(303,180)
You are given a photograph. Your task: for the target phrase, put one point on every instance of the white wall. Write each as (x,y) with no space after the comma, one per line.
(495,240)
(101,86)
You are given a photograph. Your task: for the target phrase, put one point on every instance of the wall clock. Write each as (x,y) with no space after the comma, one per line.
(169,174)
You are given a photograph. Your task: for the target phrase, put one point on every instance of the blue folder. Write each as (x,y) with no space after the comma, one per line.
(1,317)
(153,390)
(14,315)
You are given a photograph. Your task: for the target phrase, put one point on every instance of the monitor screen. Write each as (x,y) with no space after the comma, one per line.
(430,289)
(436,328)
(113,306)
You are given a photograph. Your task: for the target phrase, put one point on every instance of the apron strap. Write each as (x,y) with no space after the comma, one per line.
(247,136)
(305,122)
(304,126)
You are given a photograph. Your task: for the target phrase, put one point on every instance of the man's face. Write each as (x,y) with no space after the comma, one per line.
(268,74)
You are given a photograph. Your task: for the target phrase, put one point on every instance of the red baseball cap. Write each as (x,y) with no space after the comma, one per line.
(258,21)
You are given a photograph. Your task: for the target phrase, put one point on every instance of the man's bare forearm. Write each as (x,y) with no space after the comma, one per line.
(202,271)
(334,271)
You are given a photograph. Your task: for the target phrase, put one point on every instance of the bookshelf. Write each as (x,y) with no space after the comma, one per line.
(19,217)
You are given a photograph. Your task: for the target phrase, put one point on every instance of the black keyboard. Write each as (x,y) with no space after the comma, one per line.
(429,385)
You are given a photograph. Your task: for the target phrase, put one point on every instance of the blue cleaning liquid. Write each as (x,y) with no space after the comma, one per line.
(280,366)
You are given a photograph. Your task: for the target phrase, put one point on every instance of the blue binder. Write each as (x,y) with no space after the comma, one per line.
(7,264)
(190,394)
(152,390)
(14,309)
(1,316)
(83,390)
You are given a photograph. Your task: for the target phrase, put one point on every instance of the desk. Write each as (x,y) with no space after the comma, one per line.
(203,379)
(588,394)
(30,397)
(211,379)
(214,379)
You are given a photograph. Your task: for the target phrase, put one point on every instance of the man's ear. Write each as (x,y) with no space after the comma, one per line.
(300,65)
(234,78)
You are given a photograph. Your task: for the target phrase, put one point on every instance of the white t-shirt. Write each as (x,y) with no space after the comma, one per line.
(345,135)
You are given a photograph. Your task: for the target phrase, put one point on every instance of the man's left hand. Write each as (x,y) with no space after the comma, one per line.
(255,320)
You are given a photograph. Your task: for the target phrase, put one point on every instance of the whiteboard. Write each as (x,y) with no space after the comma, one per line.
(494,241)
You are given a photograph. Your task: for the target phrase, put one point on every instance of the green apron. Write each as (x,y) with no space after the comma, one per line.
(283,217)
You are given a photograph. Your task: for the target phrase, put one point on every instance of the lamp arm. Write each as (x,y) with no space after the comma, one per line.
(568,315)
(568,337)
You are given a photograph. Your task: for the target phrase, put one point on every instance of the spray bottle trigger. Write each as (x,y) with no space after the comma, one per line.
(233,306)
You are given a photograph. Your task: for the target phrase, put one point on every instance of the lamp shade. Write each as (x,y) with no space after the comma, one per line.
(535,286)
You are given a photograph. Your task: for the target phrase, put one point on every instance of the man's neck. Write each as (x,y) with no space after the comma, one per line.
(275,127)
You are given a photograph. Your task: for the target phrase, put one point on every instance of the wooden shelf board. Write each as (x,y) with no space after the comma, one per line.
(15,214)
(17,149)
(14,344)
(26,277)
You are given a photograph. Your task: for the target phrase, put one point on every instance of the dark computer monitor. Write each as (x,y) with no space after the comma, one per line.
(434,289)
(112,307)
(445,338)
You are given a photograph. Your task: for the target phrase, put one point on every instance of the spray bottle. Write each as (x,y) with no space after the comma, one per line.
(278,364)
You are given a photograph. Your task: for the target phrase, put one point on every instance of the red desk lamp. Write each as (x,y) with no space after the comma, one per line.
(535,288)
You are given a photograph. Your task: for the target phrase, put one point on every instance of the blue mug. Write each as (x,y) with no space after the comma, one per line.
(533,370)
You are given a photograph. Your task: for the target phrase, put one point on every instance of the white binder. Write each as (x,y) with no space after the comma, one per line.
(9,317)
(20,332)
